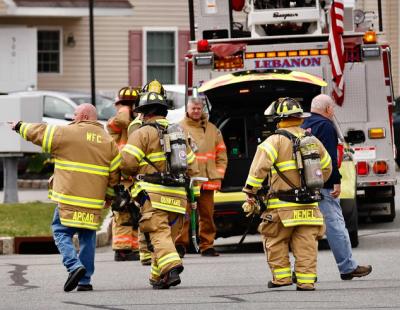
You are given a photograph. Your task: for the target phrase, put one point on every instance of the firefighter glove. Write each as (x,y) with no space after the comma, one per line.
(251,208)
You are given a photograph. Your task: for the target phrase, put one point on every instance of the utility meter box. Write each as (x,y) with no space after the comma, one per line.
(16,108)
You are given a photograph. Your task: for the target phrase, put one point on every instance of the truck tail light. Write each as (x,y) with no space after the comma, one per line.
(362,168)
(380,167)
(376,133)
(229,62)
(352,54)
(203,46)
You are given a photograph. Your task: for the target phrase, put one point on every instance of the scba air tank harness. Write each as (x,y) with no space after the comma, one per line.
(308,161)
(173,143)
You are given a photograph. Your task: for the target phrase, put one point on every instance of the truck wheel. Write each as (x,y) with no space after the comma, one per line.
(353,238)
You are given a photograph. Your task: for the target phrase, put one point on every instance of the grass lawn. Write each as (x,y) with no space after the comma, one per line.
(27,219)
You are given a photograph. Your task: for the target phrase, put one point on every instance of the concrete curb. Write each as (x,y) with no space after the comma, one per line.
(34,184)
(103,238)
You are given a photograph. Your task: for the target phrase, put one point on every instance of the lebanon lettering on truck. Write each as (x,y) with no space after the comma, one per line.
(281,50)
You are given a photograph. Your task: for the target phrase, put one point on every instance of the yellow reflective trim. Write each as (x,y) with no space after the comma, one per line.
(285,166)
(77,201)
(166,259)
(116,162)
(48,138)
(295,222)
(51,138)
(24,129)
(275,203)
(164,122)
(167,207)
(154,157)
(306,277)
(81,167)
(190,157)
(80,224)
(161,188)
(110,191)
(133,150)
(253,181)
(69,223)
(270,150)
(155,270)
(326,160)
(281,273)
(196,190)
(144,255)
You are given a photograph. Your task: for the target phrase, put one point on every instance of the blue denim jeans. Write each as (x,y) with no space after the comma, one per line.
(87,246)
(336,232)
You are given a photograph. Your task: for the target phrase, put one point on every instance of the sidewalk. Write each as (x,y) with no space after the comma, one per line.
(29,195)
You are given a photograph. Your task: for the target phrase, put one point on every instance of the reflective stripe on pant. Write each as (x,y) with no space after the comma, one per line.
(207,229)
(124,237)
(303,242)
(162,237)
(87,246)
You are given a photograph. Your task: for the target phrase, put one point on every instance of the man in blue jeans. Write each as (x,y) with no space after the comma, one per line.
(86,170)
(321,126)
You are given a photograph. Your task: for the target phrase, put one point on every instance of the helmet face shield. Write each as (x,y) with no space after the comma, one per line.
(151,101)
(286,107)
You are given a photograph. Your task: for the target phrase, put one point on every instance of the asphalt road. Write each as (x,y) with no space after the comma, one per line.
(235,280)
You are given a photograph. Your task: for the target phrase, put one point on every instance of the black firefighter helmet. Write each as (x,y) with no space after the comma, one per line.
(286,107)
(152,103)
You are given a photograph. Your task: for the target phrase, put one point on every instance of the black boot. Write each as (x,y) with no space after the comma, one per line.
(181,250)
(171,278)
(74,278)
(126,255)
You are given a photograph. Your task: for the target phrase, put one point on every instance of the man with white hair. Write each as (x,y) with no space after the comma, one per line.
(321,126)
(212,160)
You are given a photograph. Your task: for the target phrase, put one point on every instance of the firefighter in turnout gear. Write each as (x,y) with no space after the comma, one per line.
(155,86)
(212,160)
(160,188)
(86,170)
(124,236)
(292,217)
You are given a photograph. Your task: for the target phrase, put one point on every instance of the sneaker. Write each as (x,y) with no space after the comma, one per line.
(274,285)
(171,278)
(73,279)
(209,252)
(126,255)
(84,287)
(305,287)
(181,250)
(360,271)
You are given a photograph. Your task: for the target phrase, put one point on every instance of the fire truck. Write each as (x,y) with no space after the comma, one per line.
(281,50)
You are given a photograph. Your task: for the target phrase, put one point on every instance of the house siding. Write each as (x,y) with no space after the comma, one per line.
(3,7)
(111,44)
(114,54)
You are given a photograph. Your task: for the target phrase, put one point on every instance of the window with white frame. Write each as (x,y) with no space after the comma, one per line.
(160,56)
(49,46)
